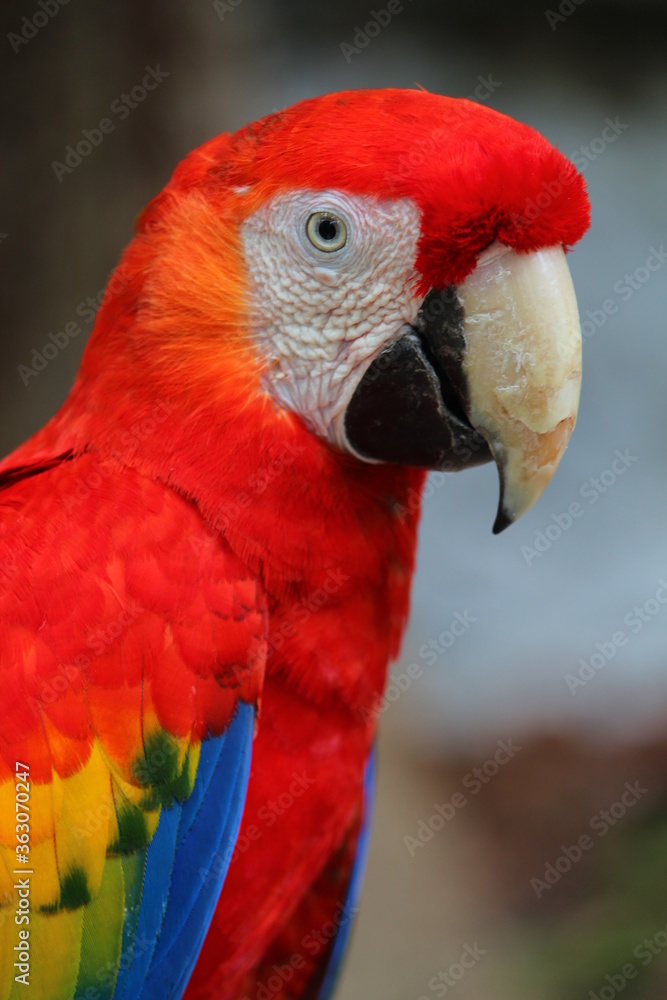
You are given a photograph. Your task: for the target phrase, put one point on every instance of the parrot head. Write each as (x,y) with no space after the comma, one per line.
(385,267)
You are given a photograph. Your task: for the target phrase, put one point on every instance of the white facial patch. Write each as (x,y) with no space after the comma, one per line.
(320,316)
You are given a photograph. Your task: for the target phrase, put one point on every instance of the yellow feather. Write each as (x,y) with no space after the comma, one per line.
(55,945)
(43,799)
(82,824)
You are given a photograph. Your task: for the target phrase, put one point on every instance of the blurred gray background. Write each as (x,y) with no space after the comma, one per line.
(545,596)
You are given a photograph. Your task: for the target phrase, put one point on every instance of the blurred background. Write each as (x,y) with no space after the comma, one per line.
(520,843)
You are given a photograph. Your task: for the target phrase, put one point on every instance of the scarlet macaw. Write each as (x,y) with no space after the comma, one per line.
(206,554)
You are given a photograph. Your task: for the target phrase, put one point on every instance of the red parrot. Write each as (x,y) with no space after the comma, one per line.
(206,555)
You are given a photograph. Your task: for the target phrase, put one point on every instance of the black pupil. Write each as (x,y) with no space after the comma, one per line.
(328,229)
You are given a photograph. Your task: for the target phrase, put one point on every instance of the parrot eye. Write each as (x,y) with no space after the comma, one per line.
(326,231)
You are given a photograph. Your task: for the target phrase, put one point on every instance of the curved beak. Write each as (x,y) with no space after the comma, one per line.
(490,370)
(522,367)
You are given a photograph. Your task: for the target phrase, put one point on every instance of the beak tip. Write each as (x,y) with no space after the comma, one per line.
(503,520)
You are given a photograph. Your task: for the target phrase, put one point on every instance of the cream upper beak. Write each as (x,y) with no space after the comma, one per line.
(522,367)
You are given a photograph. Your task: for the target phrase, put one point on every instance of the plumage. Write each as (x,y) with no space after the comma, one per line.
(203,582)
(112,743)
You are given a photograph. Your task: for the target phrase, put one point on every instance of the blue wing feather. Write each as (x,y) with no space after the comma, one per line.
(342,938)
(185,867)
(209,757)
(154,896)
(195,889)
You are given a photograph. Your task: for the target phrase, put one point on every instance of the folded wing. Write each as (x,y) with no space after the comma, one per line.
(132,648)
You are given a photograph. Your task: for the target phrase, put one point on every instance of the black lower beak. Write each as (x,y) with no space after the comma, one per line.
(410,406)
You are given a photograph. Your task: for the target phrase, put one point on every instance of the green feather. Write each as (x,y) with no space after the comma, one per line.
(102,936)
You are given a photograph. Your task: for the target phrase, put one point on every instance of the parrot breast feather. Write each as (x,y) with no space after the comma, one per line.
(132,649)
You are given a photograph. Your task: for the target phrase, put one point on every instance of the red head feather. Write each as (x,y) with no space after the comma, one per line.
(476,174)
